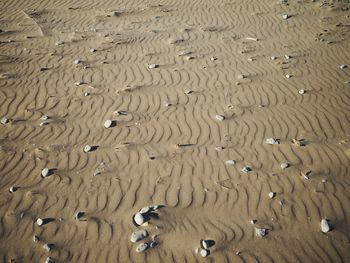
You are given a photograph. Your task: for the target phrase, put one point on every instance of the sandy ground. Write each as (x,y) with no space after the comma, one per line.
(188,86)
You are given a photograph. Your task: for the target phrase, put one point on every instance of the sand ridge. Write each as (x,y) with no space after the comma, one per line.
(225,77)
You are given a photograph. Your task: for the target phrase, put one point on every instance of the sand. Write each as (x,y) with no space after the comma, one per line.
(192,90)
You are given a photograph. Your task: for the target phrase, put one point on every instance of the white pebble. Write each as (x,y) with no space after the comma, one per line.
(108,124)
(325,227)
(246,169)
(4,120)
(301,91)
(343,66)
(272,194)
(288,76)
(284,165)
(13,189)
(204,252)
(219,117)
(139,219)
(45,172)
(39,222)
(231,162)
(152,66)
(285,16)
(272,141)
(142,247)
(87,148)
(77,61)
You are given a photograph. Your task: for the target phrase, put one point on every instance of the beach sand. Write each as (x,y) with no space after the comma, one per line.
(191,105)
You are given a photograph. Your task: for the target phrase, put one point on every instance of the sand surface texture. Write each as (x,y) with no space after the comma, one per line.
(194,92)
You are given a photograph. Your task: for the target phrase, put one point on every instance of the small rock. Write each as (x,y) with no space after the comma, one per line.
(59,43)
(13,189)
(343,66)
(45,172)
(48,247)
(189,57)
(39,222)
(273,58)
(44,123)
(108,124)
(184,53)
(253,221)
(44,117)
(284,165)
(241,76)
(49,260)
(138,235)
(272,141)
(246,169)
(261,232)
(4,120)
(285,16)
(213,58)
(204,252)
(306,174)
(87,148)
(324,181)
(153,244)
(230,162)
(325,227)
(78,83)
(207,243)
(92,50)
(139,219)
(86,94)
(152,66)
(219,117)
(187,92)
(301,92)
(36,239)
(297,142)
(287,57)
(142,247)
(77,61)
(288,76)
(79,215)
(145,210)
(272,194)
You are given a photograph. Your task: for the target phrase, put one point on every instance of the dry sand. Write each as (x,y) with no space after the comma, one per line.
(81,63)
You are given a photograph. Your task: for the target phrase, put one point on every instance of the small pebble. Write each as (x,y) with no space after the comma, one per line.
(45,172)
(301,91)
(13,189)
(184,53)
(230,162)
(87,148)
(48,247)
(213,59)
(44,123)
(86,94)
(142,247)
(187,92)
(288,76)
(325,227)
(253,221)
(39,222)
(139,219)
(207,243)
(261,232)
(36,239)
(219,117)
(59,43)
(49,260)
(284,165)
(77,61)
(92,50)
(241,76)
(79,215)
(204,252)
(44,117)
(138,235)
(343,66)
(272,194)
(78,83)
(272,141)
(285,16)
(4,120)
(246,169)
(306,174)
(273,58)
(108,124)
(152,66)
